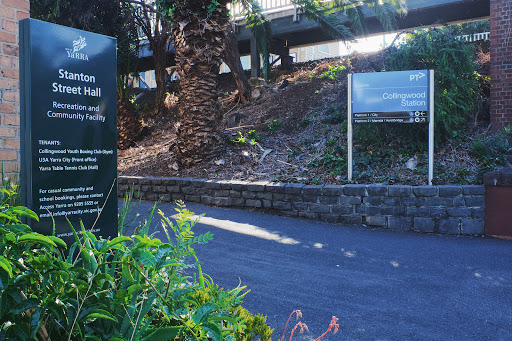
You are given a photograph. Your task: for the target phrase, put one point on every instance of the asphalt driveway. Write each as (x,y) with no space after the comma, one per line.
(381,285)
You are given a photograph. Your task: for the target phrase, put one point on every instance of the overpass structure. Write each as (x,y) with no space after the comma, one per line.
(290,28)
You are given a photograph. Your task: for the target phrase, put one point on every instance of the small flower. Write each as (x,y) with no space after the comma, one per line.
(302,327)
(334,325)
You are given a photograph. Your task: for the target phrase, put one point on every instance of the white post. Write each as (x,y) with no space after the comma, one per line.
(431,129)
(349,129)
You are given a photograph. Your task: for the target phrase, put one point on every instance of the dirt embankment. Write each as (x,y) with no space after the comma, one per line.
(294,130)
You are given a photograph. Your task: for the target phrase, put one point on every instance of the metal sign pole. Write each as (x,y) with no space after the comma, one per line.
(431,129)
(349,129)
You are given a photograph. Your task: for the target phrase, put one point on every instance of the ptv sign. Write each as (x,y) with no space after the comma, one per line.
(390,97)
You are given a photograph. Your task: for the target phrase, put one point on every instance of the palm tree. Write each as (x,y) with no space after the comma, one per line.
(198,31)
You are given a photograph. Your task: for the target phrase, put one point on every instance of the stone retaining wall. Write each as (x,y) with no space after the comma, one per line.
(441,209)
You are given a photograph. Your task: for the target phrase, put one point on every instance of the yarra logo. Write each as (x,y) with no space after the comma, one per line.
(78,45)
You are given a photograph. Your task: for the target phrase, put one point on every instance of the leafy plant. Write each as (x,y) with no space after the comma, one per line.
(491,149)
(333,72)
(274,125)
(251,135)
(9,191)
(239,140)
(133,287)
(305,122)
(334,115)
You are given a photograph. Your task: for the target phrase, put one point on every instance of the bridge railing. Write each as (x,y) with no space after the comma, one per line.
(268,6)
(475,37)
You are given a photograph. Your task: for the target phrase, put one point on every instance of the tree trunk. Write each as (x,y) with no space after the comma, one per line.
(232,60)
(159,59)
(198,38)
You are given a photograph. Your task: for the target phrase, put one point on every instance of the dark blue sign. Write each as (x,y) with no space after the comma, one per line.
(68,124)
(403,92)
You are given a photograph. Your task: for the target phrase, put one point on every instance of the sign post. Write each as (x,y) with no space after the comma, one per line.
(68,128)
(391,97)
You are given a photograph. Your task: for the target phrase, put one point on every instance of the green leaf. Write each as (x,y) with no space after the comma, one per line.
(24,305)
(25,212)
(102,276)
(6,265)
(223,318)
(61,273)
(10,237)
(115,241)
(214,330)
(161,334)
(79,270)
(33,238)
(8,217)
(135,288)
(105,316)
(58,241)
(145,257)
(4,279)
(201,315)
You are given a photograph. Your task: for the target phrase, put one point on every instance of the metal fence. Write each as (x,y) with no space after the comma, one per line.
(475,37)
(268,6)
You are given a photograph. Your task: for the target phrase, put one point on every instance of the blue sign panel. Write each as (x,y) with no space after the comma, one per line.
(403,92)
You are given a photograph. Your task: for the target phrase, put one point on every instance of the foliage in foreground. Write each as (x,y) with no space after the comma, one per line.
(128,288)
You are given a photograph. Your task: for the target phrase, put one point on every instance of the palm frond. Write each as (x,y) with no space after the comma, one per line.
(385,13)
(400,5)
(330,20)
(355,14)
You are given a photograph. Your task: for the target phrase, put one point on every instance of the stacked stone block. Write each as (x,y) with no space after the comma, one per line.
(11,11)
(428,209)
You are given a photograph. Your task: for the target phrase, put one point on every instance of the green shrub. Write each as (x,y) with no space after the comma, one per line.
(490,150)
(274,125)
(305,122)
(456,89)
(9,190)
(128,288)
(333,72)
(251,135)
(239,140)
(456,84)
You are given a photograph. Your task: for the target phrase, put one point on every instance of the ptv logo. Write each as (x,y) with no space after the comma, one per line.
(417,76)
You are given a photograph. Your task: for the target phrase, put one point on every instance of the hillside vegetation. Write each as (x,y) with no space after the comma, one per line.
(295,128)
